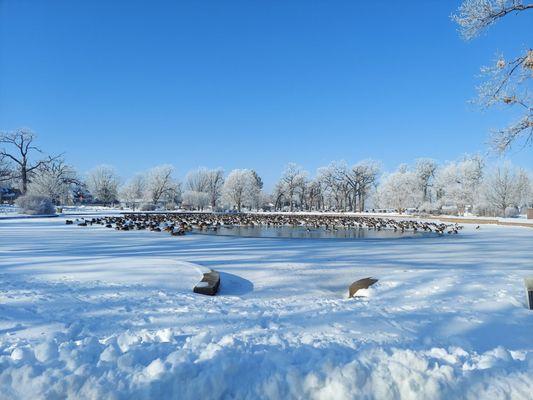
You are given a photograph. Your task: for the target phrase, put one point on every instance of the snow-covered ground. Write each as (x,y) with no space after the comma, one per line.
(98,313)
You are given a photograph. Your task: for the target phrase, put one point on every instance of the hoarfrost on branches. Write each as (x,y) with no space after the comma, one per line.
(506,82)
(133,192)
(21,151)
(103,183)
(160,184)
(241,188)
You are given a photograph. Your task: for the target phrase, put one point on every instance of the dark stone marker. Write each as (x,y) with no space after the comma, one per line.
(360,284)
(529,291)
(209,284)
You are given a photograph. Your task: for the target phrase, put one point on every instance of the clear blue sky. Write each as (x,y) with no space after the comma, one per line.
(247,84)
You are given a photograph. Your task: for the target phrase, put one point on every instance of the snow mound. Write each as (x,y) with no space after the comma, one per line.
(255,366)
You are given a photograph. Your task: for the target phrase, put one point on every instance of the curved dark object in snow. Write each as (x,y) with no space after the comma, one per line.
(235,285)
(209,284)
(360,284)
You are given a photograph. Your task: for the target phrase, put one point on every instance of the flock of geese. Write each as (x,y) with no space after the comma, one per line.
(178,224)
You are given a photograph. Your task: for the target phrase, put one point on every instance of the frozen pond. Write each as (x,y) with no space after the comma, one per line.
(311,233)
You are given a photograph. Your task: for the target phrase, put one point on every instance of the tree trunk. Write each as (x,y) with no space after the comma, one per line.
(291,194)
(24,177)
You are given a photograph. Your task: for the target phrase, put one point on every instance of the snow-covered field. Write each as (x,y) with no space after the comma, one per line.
(97,313)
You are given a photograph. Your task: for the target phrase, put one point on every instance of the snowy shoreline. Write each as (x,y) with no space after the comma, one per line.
(470,219)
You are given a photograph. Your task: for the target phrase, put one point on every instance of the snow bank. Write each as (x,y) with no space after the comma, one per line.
(168,364)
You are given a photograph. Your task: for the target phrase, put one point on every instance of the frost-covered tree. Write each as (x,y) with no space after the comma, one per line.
(317,194)
(132,193)
(197,180)
(291,183)
(425,170)
(361,177)
(506,187)
(264,201)
(336,190)
(508,81)
(526,190)
(399,190)
(240,188)
(21,151)
(215,182)
(301,193)
(277,196)
(197,200)
(159,182)
(458,183)
(341,182)
(103,182)
(474,16)
(208,181)
(54,180)
(348,188)
(171,198)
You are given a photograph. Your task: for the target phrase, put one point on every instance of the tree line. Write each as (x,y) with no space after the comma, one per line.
(467,185)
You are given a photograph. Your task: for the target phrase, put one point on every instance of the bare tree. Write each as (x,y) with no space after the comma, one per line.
(336,188)
(343,184)
(215,183)
(133,192)
(103,183)
(459,183)
(208,181)
(277,196)
(6,172)
(160,182)
(360,178)
(291,181)
(425,170)
(315,195)
(525,189)
(21,154)
(398,190)
(505,187)
(198,200)
(54,179)
(197,180)
(507,81)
